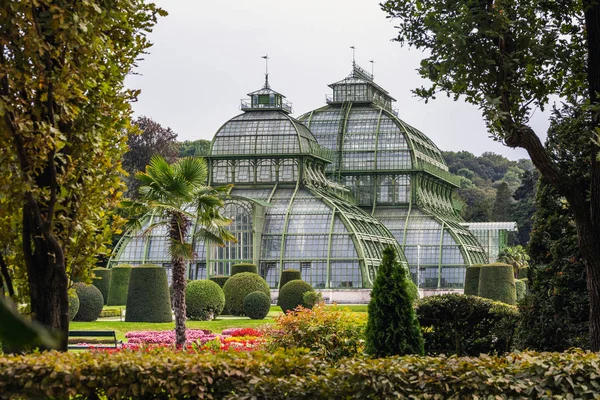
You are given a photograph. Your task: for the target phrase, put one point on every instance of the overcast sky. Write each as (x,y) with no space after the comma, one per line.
(207,56)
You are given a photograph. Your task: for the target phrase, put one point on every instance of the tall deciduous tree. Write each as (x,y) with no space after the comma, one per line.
(152,138)
(509,57)
(178,193)
(64,111)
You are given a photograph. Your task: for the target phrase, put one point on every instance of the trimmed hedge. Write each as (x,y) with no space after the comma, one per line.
(219,280)
(119,284)
(243,267)
(289,275)
(257,305)
(523,273)
(73,304)
(204,300)
(521,288)
(102,281)
(497,282)
(169,374)
(291,295)
(90,302)
(472,280)
(238,287)
(148,295)
(466,325)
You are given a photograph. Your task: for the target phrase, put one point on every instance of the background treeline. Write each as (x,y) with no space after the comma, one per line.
(494,188)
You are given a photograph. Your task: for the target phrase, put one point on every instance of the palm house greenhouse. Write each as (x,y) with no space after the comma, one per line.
(326,193)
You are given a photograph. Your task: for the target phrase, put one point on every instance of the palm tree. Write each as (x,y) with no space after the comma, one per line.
(170,190)
(516,256)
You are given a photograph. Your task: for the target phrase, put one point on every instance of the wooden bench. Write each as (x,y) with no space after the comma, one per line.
(111,337)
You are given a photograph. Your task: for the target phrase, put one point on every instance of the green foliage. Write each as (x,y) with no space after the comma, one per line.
(497,282)
(466,325)
(195,148)
(311,299)
(73,304)
(516,256)
(219,279)
(257,305)
(523,273)
(289,275)
(243,267)
(119,284)
(102,280)
(90,302)
(110,313)
(330,334)
(17,332)
(520,288)
(204,300)
(523,209)
(291,295)
(285,375)
(392,327)
(472,280)
(64,119)
(502,203)
(238,287)
(148,295)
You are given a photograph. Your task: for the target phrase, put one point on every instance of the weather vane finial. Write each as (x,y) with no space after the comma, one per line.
(353,55)
(266,57)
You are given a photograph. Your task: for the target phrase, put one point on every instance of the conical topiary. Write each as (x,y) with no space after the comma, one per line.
(148,295)
(119,284)
(219,279)
(243,267)
(520,288)
(497,282)
(289,275)
(392,325)
(472,280)
(101,279)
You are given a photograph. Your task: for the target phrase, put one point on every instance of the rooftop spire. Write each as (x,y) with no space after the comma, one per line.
(372,69)
(353,55)
(266,57)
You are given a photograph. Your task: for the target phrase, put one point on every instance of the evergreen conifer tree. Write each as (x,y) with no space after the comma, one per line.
(392,327)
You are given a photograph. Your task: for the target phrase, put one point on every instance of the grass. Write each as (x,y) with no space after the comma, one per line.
(217,325)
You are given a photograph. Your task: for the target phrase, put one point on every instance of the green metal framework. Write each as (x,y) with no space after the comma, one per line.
(399,176)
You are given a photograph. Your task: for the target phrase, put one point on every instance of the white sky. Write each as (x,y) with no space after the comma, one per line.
(207,56)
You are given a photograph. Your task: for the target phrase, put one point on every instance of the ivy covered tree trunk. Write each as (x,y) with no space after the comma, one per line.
(178,230)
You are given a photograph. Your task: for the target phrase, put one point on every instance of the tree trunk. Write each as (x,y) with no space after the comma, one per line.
(588,236)
(48,282)
(177,232)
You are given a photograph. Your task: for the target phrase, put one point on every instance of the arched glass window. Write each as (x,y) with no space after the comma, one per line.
(288,171)
(265,171)
(235,252)
(244,171)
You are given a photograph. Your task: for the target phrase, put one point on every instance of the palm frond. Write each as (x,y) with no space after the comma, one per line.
(193,170)
(179,249)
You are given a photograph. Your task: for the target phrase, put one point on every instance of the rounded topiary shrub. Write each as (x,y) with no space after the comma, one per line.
(497,282)
(101,279)
(73,304)
(311,299)
(257,305)
(238,287)
(219,279)
(288,275)
(472,280)
(90,302)
(243,267)
(148,295)
(204,300)
(291,294)
(521,288)
(119,284)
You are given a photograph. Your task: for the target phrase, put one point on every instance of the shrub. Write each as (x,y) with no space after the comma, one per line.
(311,299)
(101,280)
(204,300)
(466,325)
(166,373)
(523,272)
(331,334)
(219,280)
(289,275)
(238,287)
(392,327)
(148,295)
(497,282)
(521,288)
(73,304)
(111,313)
(119,284)
(90,302)
(472,280)
(257,305)
(291,294)
(243,267)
